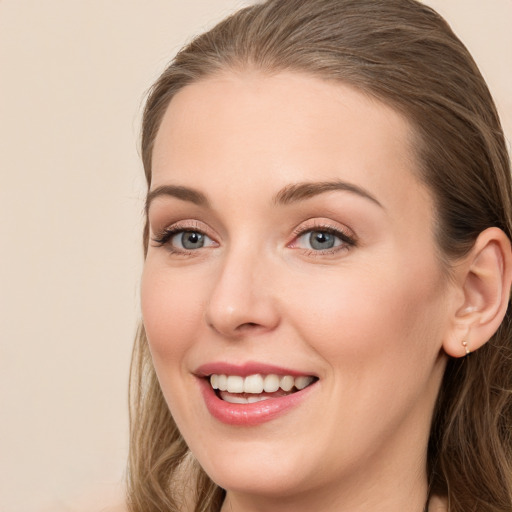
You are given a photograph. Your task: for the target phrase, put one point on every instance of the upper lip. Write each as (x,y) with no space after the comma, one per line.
(246,369)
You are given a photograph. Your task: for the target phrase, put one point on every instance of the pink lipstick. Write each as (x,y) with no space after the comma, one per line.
(252,393)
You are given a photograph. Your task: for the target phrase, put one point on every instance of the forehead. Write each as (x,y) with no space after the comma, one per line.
(259,132)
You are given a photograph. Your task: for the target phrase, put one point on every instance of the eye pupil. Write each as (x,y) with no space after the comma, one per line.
(192,240)
(321,240)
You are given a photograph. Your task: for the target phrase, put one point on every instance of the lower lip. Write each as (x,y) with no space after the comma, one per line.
(250,414)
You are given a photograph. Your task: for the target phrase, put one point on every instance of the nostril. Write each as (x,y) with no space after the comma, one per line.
(247,325)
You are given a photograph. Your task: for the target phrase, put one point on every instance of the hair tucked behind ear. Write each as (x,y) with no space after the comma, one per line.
(404,54)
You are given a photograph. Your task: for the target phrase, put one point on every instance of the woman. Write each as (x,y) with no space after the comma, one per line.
(327,270)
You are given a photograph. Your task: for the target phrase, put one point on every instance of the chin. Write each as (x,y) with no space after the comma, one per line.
(266,480)
(258,467)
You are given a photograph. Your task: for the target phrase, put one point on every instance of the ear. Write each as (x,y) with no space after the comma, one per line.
(484,278)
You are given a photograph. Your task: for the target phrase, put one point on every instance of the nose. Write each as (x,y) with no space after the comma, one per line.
(243,299)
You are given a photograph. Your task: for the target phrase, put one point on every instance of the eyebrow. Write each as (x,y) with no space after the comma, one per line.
(179,192)
(289,194)
(306,190)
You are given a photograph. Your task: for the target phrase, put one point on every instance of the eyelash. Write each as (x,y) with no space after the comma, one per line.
(347,241)
(166,235)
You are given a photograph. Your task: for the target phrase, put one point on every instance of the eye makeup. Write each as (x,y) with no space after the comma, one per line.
(319,238)
(313,238)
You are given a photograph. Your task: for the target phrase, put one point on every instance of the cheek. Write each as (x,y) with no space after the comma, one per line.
(171,311)
(354,317)
(380,337)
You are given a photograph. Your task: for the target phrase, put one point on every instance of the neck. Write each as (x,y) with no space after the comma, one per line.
(406,492)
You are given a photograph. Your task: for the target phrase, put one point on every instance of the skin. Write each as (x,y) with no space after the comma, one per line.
(369,319)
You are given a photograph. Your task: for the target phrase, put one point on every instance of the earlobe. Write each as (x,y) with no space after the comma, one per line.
(484,278)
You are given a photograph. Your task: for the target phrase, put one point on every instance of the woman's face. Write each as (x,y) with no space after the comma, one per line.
(291,240)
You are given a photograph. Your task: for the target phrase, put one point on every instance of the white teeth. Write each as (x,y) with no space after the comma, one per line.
(235,399)
(222,382)
(235,384)
(257,383)
(253,384)
(302,382)
(271,383)
(286,383)
(254,399)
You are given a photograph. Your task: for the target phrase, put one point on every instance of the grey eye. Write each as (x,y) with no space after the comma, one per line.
(189,240)
(320,240)
(192,240)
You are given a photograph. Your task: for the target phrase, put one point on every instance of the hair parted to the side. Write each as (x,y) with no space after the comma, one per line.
(404,54)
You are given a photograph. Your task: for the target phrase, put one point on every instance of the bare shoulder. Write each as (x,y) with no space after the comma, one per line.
(438,504)
(115,508)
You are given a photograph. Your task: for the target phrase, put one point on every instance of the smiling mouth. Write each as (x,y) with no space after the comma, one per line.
(256,388)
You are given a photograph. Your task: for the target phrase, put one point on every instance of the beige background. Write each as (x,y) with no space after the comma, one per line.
(72,78)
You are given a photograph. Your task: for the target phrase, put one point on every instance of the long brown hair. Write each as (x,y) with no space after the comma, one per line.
(404,54)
